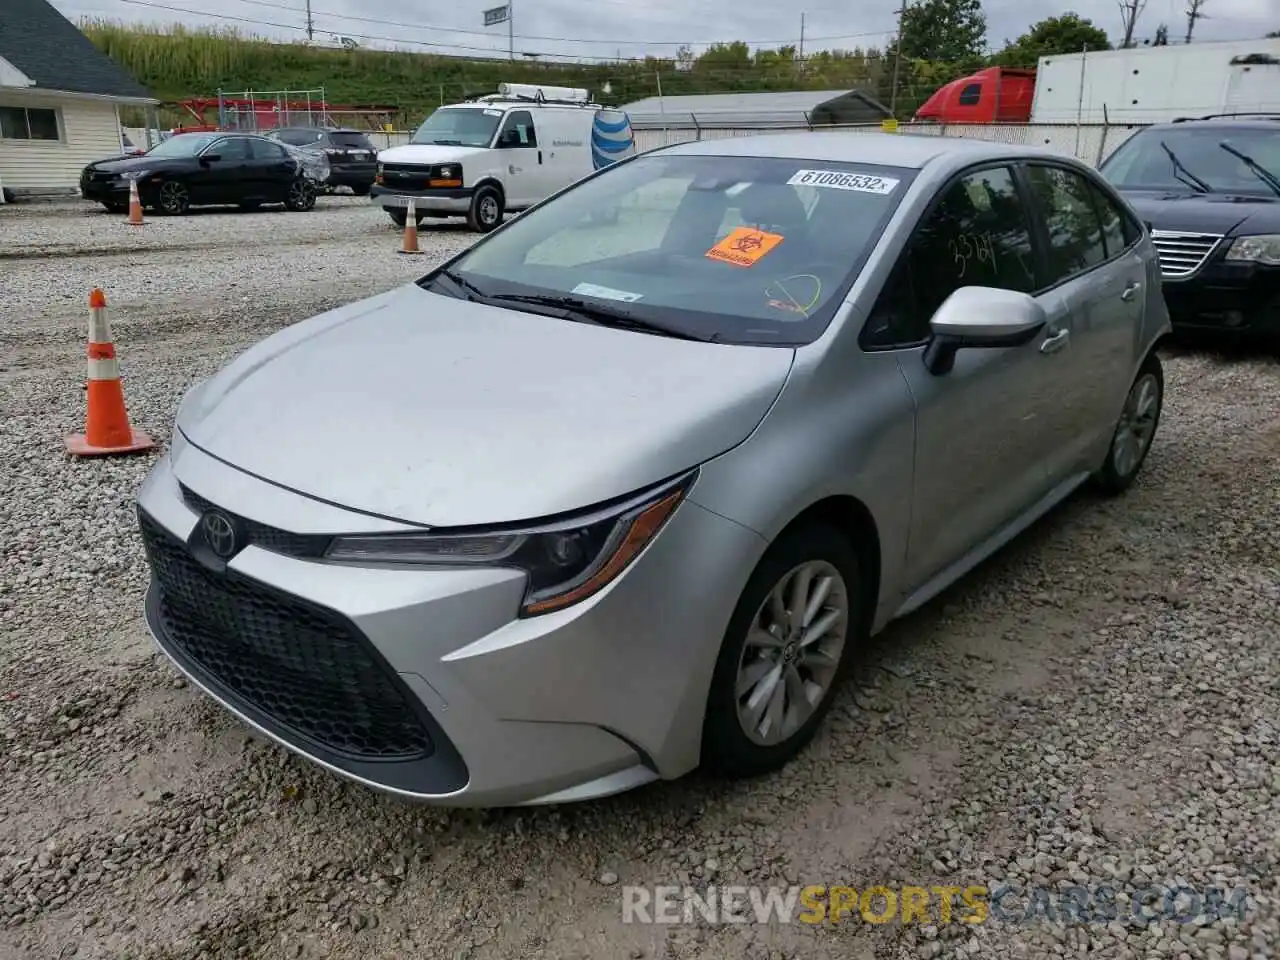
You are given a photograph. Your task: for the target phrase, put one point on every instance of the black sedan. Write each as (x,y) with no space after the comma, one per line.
(202,169)
(353,159)
(1209,190)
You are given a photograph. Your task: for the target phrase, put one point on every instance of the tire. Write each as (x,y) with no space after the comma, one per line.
(174,199)
(115,206)
(301,196)
(486,209)
(362,190)
(1138,422)
(728,749)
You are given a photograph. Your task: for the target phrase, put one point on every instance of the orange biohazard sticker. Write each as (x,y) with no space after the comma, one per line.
(744,247)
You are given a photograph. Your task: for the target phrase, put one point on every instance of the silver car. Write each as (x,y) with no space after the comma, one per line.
(617,492)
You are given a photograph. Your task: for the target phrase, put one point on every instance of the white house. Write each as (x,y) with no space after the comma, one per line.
(59,100)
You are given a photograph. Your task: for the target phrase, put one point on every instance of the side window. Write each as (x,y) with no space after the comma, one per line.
(978,235)
(1119,230)
(517,130)
(265,150)
(1070,219)
(233,148)
(970,95)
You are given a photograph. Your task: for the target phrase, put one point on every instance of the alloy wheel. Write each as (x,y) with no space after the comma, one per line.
(792,652)
(1137,425)
(174,198)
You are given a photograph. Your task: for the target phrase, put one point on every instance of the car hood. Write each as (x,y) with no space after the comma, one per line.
(129,164)
(427,153)
(1198,213)
(443,412)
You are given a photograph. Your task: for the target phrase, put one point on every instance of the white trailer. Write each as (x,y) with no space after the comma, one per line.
(1157,84)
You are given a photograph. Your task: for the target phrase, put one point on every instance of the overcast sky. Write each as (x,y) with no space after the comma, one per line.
(604,29)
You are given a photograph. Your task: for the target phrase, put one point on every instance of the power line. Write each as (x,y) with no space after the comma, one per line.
(378,21)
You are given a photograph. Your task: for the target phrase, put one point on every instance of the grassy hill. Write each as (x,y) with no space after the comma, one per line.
(177,63)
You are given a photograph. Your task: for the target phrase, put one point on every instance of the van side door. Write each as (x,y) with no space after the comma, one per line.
(521,160)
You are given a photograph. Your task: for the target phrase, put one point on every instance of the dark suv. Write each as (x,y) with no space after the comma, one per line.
(353,159)
(1209,190)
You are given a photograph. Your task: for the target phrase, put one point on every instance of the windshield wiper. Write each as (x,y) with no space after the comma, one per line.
(446,143)
(458,280)
(1257,169)
(1182,173)
(600,314)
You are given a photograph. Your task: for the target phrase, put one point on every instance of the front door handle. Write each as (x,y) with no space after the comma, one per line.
(1131,291)
(1055,341)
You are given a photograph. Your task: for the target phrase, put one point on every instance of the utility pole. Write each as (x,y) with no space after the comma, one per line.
(897,60)
(311,24)
(511,30)
(1130,10)
(1193,14)
(802,40)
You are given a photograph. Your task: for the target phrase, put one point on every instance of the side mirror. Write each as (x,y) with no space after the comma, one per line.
(981,318)
(210,157)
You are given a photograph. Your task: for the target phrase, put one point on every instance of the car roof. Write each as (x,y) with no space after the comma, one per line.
(914,151)
(1269,122)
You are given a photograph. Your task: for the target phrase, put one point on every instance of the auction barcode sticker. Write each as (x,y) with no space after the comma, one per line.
(839,180)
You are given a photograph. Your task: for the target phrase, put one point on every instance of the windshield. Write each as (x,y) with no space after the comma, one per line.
(460,126)
(183,145)
(735,249)
(1141,163)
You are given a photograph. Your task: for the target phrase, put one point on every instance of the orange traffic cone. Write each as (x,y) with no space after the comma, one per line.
(410,244)
(107,427)
(135,204)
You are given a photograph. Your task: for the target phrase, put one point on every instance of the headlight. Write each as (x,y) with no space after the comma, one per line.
(135,175)
(1260,249)
(445,175)
(565,562)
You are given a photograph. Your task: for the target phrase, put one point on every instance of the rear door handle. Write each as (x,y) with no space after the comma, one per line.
(1055,341)
(1131,291)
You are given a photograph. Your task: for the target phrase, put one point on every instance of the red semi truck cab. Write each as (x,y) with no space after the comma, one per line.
(993,95)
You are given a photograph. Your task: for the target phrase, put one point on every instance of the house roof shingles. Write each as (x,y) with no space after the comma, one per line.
(49,49)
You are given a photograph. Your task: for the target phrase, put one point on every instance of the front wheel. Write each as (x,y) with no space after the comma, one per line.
(1131,440)
(301,196)
(783,654)
(486,209)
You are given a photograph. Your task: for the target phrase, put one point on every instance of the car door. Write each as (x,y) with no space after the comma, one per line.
(521,158)
(273,171)
(981,443)
(1092,295)
(224,178)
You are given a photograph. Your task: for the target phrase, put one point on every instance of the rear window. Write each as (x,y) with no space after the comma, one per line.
(740,249)
(298,138)
(351,139)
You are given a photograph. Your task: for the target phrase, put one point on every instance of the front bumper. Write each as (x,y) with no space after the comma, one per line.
(105,191)
(1226,297)
(424,683)
(443,202)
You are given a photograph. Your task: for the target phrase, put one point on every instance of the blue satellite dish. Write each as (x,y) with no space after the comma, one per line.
(611,138)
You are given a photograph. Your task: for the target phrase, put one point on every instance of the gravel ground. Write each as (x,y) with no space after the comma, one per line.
(1099,706)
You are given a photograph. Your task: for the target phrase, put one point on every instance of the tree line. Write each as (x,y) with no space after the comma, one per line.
(939,40)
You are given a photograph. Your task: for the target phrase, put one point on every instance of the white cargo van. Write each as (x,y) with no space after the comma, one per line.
(500,153)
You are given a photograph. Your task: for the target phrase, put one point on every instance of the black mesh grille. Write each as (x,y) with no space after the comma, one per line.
(302,666)
(261,535)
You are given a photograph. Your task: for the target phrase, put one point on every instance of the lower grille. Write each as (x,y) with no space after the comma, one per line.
(302,666)
(1182,254)
(397,176)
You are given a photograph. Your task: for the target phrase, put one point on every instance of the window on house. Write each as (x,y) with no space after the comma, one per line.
(28,123)
(970,95)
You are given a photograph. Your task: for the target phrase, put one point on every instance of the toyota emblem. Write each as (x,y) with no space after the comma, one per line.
(219,533)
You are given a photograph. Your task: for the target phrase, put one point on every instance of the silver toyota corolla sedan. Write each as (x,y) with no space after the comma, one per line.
(617,492)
